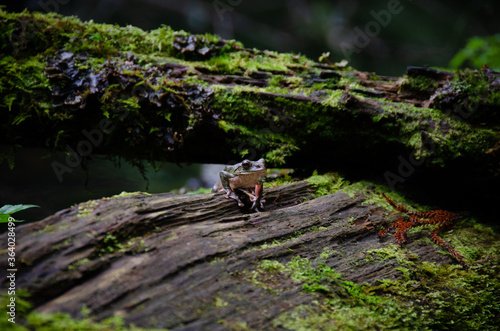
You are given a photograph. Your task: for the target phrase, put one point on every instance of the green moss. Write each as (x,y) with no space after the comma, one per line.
(263,278)
(233,62)
(337,317)
(426,296)
(78,263)
(349,80)
(276,81)
(28,319)
(241,112)
(86,208)
(318,278)
(327,183)
(24,87)
(32,38)
(452,297)
(128,194)
(47,229)
(137,246)
(401,255)
(110,243)
(279,242)
(341,304)
(115,243)
(220,303)
(450,294)
(271,266)
(474,241)
(333,98)
(475,86)
(419,84)
(293,81)
(246,107)
(201,190)
(438,147)
(277,121)
(53,30)
(372,193)
(236,326)
(326,253)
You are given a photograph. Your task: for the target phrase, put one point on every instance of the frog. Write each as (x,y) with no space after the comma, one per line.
(246,177)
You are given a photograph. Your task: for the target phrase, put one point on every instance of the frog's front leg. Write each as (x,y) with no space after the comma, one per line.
(257,200)
(224,179)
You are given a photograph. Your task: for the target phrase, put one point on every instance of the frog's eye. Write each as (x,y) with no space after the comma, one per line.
(246,164)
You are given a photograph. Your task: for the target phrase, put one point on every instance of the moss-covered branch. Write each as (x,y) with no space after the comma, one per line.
(87,88)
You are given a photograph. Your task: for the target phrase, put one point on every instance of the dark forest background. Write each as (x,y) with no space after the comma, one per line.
(423,32)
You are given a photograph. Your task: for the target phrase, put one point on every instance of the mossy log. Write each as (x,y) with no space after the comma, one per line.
(164,95)
(198,262)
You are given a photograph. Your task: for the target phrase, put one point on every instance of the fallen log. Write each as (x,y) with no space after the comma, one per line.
(199,261)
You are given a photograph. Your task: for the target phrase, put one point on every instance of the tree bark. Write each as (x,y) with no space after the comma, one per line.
(86,89)
(164,260)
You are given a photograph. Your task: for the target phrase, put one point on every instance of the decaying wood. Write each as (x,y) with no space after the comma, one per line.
(187,98)
(163,260)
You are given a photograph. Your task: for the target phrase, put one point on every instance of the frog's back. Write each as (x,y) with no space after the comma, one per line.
(246,180)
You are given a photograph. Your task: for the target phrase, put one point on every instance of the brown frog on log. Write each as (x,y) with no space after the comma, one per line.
(246,177)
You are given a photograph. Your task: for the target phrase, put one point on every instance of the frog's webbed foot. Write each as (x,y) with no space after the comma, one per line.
(228,193)
(240,203)
(258,204)
(257,201)
(231,194)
